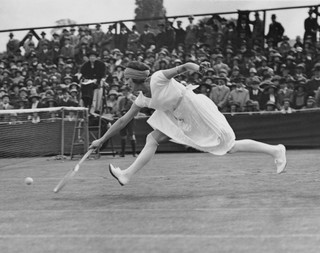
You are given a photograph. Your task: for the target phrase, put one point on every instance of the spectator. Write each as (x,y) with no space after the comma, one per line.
(255,92)
(121,39)
(6,105)
(108,42)
(97,36)
(269,94)
(161,37)
(170,35)
(67,51)
(133,40)
(258,29)
(311,103)
(271,107)
(35,101)
(147,38)
(124,104)
(275,32)
(311,27)
(93,70)
(300,96)
(219,64)
(74,39)
(180,34)
(285,92)
(220,93)
(286,106)
(45,55)
(112,102)
(43,41)
(191,34)
(13,45)
(239,95)
(313,84)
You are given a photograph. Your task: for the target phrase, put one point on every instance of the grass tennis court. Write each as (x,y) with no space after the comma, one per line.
(181,202)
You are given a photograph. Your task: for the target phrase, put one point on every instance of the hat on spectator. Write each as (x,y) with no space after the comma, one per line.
(113,93)
(73,90)
(266,83)
(74,85)
(5,95)
(311,99)
(35,95)
(255,80)
(51,101)
(67,77)
(93,52)
(299,49)
(252,70)
(316,66)
(23,89)
(271,103)
(120,66)
(219,56)
(190,17)
(300,66)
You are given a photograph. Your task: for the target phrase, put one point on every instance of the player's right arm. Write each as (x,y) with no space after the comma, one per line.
(117,126)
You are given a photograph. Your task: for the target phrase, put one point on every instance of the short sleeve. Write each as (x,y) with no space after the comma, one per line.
(141,101)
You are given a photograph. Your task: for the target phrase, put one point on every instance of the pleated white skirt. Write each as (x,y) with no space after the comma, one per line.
(197,123)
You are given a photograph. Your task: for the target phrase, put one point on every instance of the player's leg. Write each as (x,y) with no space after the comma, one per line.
(132,137)
(152,142)
(278,152)
(123,136)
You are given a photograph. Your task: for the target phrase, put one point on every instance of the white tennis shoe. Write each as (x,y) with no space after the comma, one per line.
(118,174)
(281,160)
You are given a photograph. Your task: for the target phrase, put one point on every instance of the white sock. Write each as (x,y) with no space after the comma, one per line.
(144,157)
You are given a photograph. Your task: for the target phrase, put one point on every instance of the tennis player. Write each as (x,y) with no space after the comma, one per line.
(180,116)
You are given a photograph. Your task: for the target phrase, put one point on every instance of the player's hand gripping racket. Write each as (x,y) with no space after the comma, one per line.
(72,172)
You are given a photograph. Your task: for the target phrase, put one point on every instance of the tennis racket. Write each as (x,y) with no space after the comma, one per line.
(72,172)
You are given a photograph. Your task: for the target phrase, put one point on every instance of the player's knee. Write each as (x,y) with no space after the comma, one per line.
(150,140)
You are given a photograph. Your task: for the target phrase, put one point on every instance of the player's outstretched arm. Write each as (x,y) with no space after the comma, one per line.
(117,126)
(189,66)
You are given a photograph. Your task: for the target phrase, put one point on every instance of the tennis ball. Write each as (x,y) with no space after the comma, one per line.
(28,180)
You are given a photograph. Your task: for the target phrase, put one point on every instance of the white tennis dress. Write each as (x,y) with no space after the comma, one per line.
(185,117)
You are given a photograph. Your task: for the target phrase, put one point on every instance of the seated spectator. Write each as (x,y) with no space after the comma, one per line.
(284,92)
(35,101)
(13,119)
(252,106)
(299,97)
(74,97)
(6,105)
(34,118)
(311,103)
(22,104)
(255,92)
(66,100)
(220,93)
(271,107)
(234,107)
(112,102)
(313,84)
(286,107)
(269,95)
(239,95)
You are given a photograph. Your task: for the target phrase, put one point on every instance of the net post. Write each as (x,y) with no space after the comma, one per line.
(62,131)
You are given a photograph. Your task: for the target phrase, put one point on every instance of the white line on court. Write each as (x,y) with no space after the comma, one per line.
(166,209)
(163,236)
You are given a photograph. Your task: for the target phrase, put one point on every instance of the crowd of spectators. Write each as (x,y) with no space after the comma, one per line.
(252,69)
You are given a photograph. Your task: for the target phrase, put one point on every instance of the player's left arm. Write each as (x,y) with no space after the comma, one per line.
(189,66)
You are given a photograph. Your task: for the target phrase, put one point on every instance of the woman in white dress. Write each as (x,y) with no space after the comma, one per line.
(180,116)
